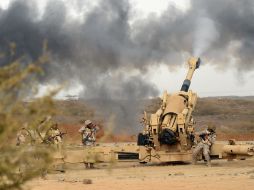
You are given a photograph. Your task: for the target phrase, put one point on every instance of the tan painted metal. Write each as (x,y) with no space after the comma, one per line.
(110,153)
(239,149)
(175,114)
(192,66)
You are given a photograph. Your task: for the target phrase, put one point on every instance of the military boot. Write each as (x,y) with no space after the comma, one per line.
(194,160)
(92,165)
(86,165)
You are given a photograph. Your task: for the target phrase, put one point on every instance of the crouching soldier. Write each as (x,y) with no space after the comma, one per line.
(207,138)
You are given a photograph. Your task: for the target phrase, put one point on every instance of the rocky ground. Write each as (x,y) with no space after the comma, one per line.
(223,175)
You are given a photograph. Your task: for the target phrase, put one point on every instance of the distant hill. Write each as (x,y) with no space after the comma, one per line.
(251,98)
(232,115)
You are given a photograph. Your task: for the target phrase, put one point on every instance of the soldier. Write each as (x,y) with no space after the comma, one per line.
(22,136)
(207,138)
(88,132)
(53,135)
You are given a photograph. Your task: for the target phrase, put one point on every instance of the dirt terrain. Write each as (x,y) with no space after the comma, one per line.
(223,175)
(234,120)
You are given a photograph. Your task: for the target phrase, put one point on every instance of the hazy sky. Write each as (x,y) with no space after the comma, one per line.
(207,81)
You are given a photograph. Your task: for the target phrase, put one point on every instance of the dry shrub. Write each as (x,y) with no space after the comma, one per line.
(19,164)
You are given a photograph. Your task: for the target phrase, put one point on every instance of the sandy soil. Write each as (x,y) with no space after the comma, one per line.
(223,175)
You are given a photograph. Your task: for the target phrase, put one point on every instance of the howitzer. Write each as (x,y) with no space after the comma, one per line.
(169,131)
(168,134)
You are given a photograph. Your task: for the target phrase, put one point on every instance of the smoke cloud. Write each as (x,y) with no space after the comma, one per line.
(109,54)
(203,36)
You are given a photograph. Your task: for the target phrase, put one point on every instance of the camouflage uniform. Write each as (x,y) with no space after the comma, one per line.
(22,137)
(53,135)
(88,132)
(207,138)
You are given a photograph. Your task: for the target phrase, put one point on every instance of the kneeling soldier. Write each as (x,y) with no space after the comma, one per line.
(207,138)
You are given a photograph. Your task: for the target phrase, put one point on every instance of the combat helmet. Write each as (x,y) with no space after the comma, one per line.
(88,122)
(211,128)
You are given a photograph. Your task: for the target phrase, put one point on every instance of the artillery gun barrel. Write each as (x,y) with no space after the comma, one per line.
(193,65)
(239,149)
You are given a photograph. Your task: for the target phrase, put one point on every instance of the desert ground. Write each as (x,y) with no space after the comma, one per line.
(234,123)
(223,175)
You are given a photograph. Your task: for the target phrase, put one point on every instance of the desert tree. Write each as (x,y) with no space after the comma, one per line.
(18,109)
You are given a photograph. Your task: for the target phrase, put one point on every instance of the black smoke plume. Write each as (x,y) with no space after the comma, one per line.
(109,54)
